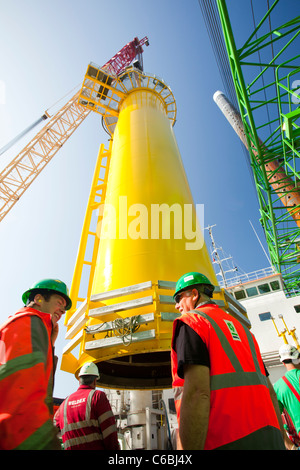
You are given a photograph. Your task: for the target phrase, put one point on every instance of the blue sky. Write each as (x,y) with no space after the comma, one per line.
(46,47)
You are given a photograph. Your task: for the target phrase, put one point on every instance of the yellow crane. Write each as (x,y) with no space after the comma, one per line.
(28,164)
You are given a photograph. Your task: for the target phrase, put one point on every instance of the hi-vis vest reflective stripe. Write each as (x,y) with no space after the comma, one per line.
(26,382)
(242,415)
(85,424)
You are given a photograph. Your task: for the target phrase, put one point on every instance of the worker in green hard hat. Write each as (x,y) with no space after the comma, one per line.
(185,286)
(45,295)
(48,286)
(27,366)
(223,397)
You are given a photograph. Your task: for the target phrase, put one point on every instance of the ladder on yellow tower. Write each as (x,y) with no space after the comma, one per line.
(89,237)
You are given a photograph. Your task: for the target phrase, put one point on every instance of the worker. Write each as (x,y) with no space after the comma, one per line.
(221,391)
(287,390)
(27,367)
(85,418)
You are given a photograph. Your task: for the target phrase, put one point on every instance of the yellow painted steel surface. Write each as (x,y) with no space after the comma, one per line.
(146,172)
(149,233)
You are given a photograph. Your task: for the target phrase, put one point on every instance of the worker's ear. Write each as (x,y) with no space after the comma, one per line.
(196,295)
(38,298)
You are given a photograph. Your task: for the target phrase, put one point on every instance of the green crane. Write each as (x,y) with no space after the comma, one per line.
(266,75)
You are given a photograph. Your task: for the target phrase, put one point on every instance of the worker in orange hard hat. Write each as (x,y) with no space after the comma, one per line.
(223,398)
(27,366)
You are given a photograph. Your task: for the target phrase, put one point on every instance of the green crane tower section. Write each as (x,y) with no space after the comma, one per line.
(266,76)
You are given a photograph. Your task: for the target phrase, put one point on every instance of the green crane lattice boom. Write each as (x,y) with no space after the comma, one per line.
(265,71)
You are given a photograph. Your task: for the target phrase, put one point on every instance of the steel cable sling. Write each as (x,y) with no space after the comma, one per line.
(121,327)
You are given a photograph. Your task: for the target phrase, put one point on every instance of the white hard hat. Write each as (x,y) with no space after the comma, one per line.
(89,368)
(286,351)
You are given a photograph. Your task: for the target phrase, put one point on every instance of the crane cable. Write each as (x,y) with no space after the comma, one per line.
(23,133)
(214,29)
(212,22)
(45,116)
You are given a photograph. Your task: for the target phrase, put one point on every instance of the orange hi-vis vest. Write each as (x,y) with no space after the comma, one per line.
(242,415)
(26,382)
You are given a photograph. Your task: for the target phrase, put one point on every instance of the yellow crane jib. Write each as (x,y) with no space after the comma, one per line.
(20,173)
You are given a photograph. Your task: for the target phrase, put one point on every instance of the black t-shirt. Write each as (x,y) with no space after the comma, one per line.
(190,348)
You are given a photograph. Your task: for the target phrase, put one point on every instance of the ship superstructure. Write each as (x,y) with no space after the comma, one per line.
(274,317)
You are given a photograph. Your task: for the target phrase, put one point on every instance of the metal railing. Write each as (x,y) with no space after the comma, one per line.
(247,277)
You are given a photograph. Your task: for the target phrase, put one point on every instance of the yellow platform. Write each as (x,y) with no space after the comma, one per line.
(149,236)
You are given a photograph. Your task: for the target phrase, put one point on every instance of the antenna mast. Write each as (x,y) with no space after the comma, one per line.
(216,257)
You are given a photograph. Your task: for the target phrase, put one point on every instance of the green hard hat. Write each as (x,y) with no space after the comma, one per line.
(192,279)
(52,285)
